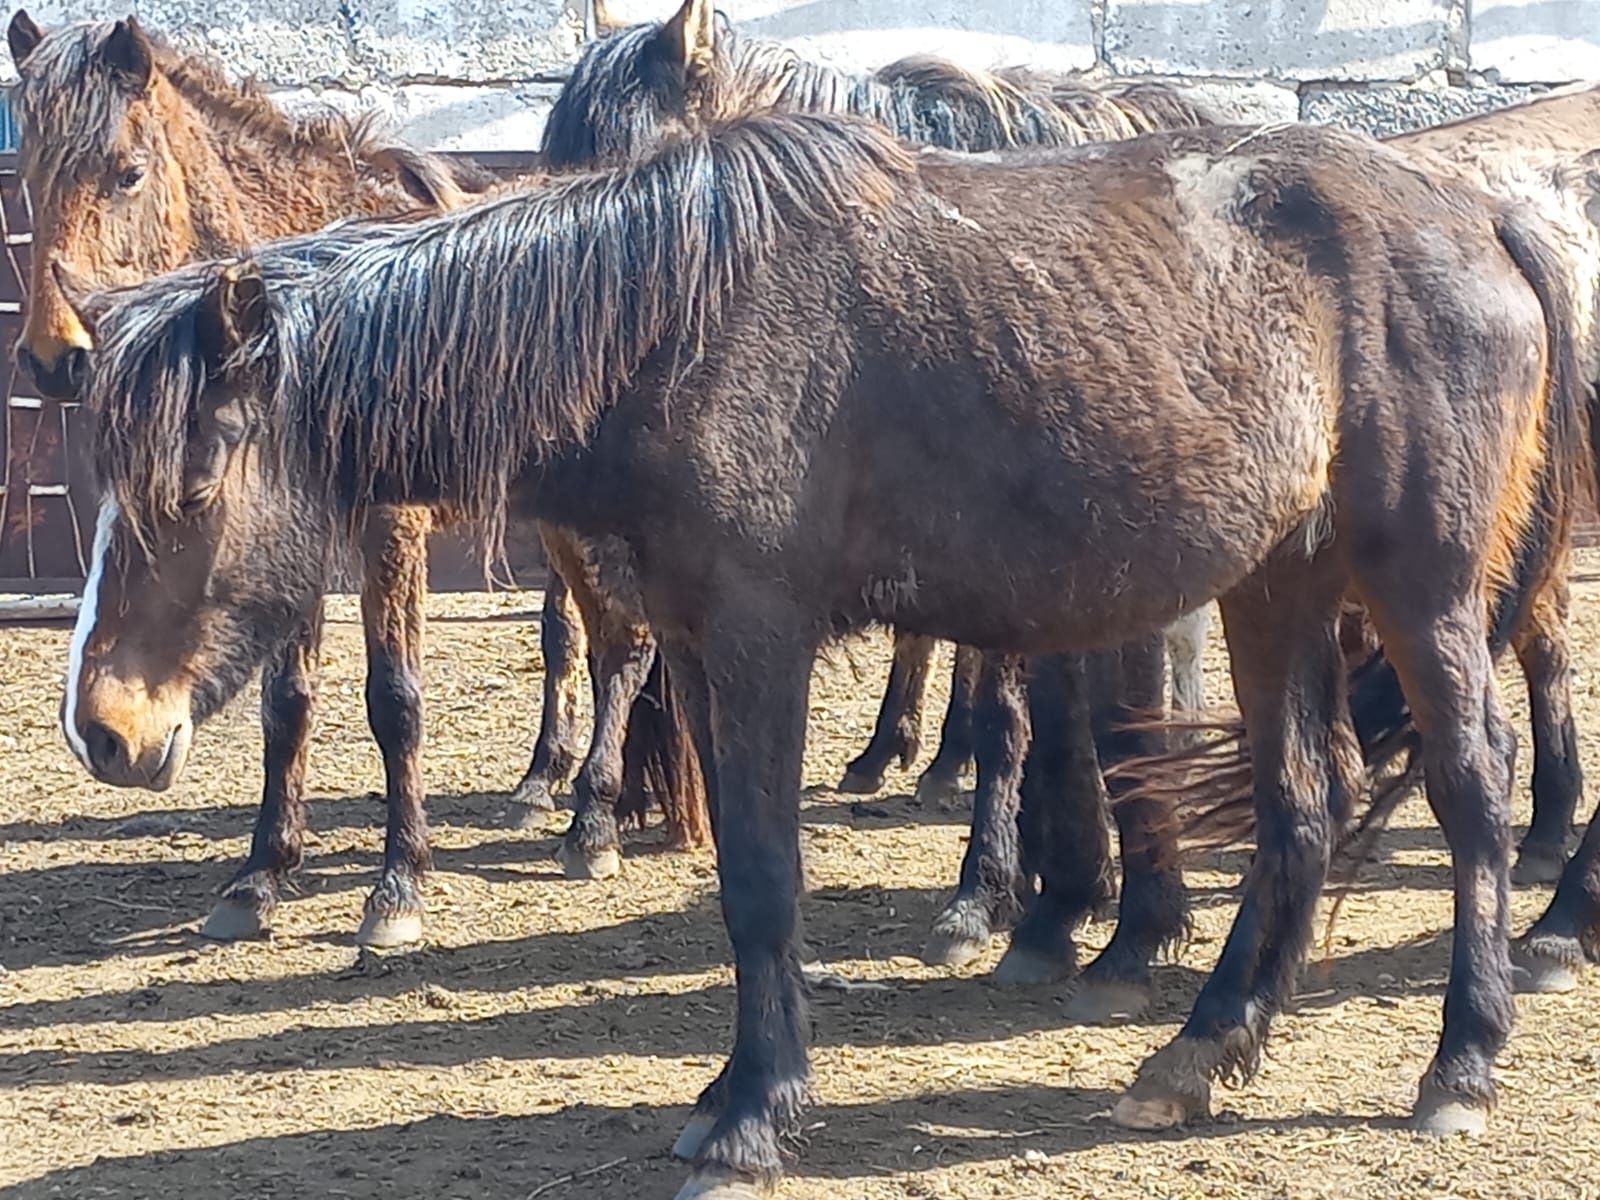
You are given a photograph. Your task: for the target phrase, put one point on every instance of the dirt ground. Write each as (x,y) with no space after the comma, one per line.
(550,1036)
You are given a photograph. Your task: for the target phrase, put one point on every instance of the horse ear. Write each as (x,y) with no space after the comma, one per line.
(691,37)
(128,53)
(238,307)
(80,297)
(604,22)
(23,35)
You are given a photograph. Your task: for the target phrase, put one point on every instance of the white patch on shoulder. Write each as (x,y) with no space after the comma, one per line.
(88,612)
(1206,186)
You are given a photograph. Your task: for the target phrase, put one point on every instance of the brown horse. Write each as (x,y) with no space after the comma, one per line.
(138,159)
(1266,366)
(644,84)
(1541,153)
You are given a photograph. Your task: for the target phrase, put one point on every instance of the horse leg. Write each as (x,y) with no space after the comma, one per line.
(1545,653)
(1289,679)
(395,546)
(1186,648)
(992,892)
(1550,956)
(1065,838)
(1469,752)
(1154,908)
(898,732)
(563,646)
(592,847)
(758,676)
(942,779)
(288,697)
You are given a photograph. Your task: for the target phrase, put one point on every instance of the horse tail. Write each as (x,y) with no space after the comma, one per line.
(660,761)
(1210,784)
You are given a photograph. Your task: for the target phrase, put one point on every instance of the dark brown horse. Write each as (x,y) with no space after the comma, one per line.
(781,361)
(137,160)
(641,85)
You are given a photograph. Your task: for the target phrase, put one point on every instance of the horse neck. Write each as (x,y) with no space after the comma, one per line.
(246,186)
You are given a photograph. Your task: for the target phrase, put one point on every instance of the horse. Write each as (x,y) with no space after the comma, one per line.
(1540,152)
(138,159)
(635,87)
(1265,366)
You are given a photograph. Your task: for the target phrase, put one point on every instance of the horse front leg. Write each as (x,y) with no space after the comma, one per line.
(758,676)
(1153,912)
(898,732)
(393,593)
(1066,841)
(1288,675)
(941,781)
(992,892)
(592,847)
(563,645)
(288,698)
(1544,651)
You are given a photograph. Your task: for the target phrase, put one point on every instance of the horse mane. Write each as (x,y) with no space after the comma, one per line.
(923,100)
(441,355)
(65,89)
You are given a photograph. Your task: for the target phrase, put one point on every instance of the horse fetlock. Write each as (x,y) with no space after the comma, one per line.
(960,934)
(1173,1086)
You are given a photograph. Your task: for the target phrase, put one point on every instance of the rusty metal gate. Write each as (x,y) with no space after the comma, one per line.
(47,497)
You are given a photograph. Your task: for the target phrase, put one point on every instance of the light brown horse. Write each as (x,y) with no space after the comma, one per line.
(138,159)
(1266,366)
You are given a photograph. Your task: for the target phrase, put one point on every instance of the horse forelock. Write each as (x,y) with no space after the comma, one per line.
(439,356)
(69,105)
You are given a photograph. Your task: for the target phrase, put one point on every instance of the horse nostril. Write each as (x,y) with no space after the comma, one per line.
(108,753)
(73,365)
(29,362)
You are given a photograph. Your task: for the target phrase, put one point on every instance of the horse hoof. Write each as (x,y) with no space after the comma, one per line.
(231,922)
(719,1183)
(1152,1113)
(1538,865)
(857,783)
(535,794)
(947,949)
(1024,967)
(695,1132)
(602,864)
(1449,1116)
(1103,1002)
(1541,974)
(937,789)
(384,931)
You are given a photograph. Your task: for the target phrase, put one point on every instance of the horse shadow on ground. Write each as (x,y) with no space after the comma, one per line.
(620,1153)
(626,1011)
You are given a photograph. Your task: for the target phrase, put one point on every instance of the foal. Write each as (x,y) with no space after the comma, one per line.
(714,354)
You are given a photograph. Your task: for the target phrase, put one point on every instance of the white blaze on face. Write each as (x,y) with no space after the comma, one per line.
(88,612)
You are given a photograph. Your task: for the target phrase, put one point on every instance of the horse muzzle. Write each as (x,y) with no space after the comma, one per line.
(153,761)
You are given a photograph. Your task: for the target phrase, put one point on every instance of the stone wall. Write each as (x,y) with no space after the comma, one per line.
(480,74)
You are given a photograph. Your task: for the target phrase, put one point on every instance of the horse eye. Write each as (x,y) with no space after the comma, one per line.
(129,179)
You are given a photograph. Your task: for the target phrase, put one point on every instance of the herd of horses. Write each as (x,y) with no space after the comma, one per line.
(774,352)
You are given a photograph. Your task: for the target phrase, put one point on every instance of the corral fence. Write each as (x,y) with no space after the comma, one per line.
(47,501)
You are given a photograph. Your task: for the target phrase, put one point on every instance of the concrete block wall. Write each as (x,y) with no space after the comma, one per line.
(481,74)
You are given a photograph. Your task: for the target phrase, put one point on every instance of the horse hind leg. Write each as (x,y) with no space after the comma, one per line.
(555,751)
(1545,654)
(1065,838)
(1289,678)
(1154,908)
(898,732)
(288,698)
(992,892)
(393,593)
(940,782)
